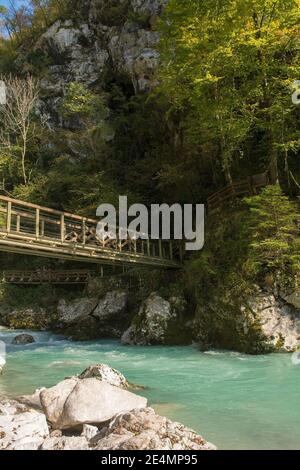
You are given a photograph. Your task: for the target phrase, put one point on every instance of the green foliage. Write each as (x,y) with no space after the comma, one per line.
(227,70)
(274,225)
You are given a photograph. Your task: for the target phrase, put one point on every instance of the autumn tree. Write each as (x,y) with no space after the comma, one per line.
(17,118)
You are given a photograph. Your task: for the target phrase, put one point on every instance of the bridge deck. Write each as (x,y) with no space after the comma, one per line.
(39,231)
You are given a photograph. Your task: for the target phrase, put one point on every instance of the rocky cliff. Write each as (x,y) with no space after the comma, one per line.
(110,39)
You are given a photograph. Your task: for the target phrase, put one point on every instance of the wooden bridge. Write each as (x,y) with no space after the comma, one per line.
(247,187)
(40,231)
(47,276)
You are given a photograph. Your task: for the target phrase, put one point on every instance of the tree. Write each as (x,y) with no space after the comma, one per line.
(274,229)
(227,68)
(17,118)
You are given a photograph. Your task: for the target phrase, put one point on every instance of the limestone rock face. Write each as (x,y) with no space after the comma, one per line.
(20,427)
(156,323)
(145,430)
(74,402)
(23,339)
(106,374)
(104,42)
(111,306)
(72,312)
(280,323)
(133,52)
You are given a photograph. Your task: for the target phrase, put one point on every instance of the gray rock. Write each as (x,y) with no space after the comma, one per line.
(23,339)
(75,311)
(89,431)
(32,401)
(111,306)
(145,430)
(280,323)
(151,324)
(74,402)
(106,374)
(20,427)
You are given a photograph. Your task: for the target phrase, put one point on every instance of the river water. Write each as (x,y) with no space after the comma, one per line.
(234,400)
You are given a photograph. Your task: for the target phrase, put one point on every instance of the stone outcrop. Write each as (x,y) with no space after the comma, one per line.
(106,374)
(72,312)
(103,43)
(23,339)
(158,322)
(91,318)
(279,323)
(21,428)
(74,402)
(145,430)
(111,306)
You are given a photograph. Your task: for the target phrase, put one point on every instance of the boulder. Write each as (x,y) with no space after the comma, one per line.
(23,339)
(158,322)
(75,402)
(21,428)
(145,430)
(111,306)
(279,323)
(75,311)
(106,374)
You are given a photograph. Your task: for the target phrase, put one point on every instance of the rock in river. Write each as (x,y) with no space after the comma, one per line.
(23,339)
(75,402)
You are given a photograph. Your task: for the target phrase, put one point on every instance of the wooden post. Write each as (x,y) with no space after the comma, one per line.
(42,228)
(83,232)
(8,217)
(62,228)
(37,223)
(135,245)
(148,247)
(18,223)
(102,272)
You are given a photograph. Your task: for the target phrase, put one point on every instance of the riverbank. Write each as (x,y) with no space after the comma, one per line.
(234,400)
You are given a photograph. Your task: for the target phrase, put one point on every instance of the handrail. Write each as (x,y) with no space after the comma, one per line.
(248,186)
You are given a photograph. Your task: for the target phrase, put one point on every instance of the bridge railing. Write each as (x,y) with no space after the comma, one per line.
(246,187)
(34,223)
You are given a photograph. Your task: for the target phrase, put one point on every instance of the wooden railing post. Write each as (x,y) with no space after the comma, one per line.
(8,217)
(62,228)
(18,223)
(83,231)
(37,223)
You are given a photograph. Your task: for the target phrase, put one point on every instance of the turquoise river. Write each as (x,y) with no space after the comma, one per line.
(234,400)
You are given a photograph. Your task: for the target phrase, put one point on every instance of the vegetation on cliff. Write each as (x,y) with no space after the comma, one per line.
(221,110)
